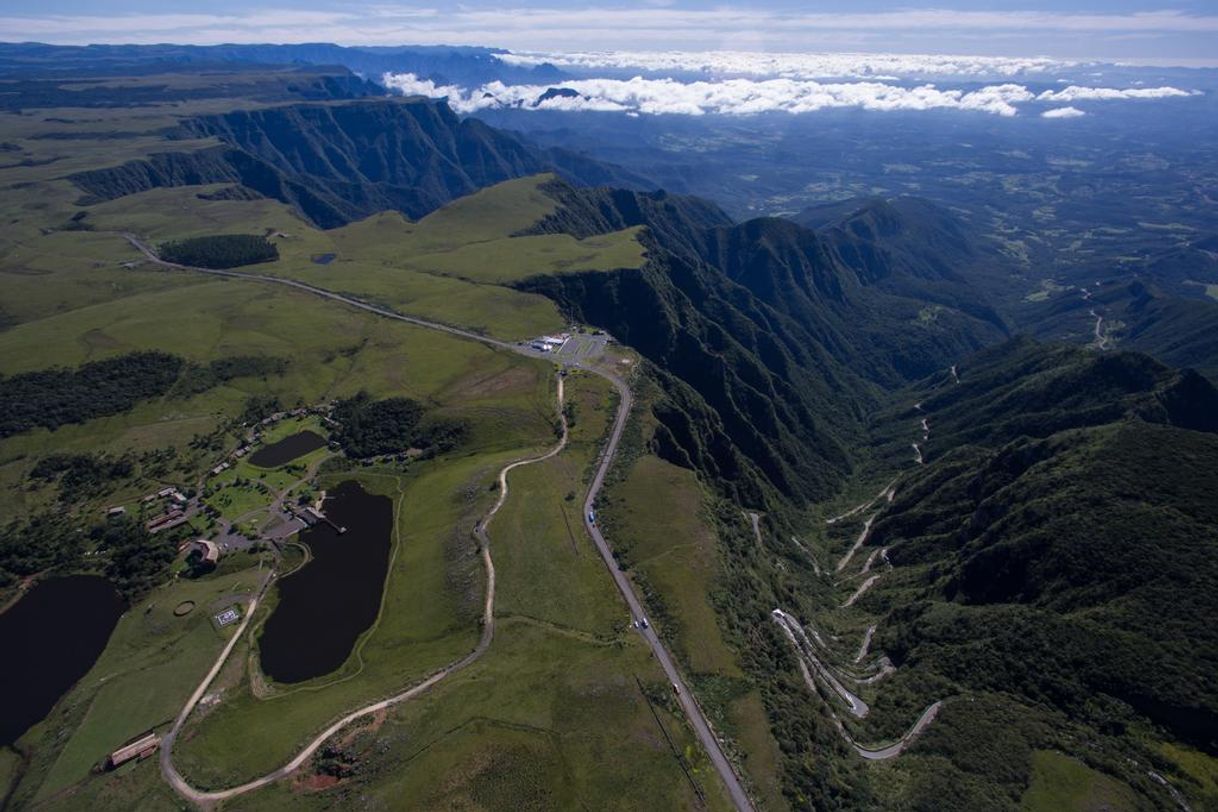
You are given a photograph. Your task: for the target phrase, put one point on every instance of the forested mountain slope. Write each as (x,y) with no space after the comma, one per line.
(783,346)
(1053,561)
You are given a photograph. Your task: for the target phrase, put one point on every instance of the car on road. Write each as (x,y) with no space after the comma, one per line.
(591,517)
(643,623)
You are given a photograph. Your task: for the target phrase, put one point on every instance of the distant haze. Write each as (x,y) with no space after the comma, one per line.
(1078,29)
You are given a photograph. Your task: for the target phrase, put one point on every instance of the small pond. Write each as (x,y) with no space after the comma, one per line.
(287,449)
(329,602)
(50,639)
(323,259)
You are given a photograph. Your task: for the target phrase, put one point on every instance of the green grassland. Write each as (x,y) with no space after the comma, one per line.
(236,501)
(286,428)
(1200,771)
(331,351)
(546,566)
(1063,784)
(658,521)
(450,266)
(74,291)
(553,715)
(152,663)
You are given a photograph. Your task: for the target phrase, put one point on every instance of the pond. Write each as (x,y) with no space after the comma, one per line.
(50,639)
(287,449)
(329,602)
(323,259)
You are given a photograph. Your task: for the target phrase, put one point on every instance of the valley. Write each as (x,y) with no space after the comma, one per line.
(437,465)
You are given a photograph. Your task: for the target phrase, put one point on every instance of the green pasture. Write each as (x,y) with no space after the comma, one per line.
(1064,784)
(154,660)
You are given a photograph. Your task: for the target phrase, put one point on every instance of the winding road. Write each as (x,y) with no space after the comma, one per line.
(1101,340)
(697,719)
(858,542)
(488,633)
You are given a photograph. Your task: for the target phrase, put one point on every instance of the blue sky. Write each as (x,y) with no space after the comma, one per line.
(1183,32)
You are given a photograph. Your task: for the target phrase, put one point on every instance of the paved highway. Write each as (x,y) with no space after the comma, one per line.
(697,719)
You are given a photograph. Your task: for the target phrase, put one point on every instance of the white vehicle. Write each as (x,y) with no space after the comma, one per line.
(643,623)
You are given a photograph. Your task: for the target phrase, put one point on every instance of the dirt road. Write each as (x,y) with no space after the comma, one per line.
(488,632)
(697,719)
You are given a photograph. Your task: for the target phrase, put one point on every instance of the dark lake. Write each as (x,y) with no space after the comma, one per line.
(323,259)
(49,639)
(329,602)
(287,449)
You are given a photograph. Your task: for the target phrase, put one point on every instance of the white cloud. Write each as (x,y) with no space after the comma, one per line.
(791,65)
(1063,112)
(745,96)
(1075,93)
(729,97)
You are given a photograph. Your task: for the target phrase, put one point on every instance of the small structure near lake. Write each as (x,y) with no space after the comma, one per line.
(138,748)
(227,617)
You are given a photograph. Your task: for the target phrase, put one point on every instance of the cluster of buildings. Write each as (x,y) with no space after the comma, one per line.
(266,422)
(174,509)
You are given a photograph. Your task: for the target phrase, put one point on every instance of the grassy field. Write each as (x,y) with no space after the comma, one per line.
(428,618)
(546,565)
(451,266)
(547,720)
(153,661)
(656,518)
(331,352)
(234,501)
(1060,783)
(552,717)
(566,709)
(1201,770)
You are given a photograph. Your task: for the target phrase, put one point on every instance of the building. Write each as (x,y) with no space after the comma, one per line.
(205,551)
(169,520)
(312,515)
(139,748)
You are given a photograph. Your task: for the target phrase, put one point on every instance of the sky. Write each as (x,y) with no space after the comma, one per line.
(1137,31)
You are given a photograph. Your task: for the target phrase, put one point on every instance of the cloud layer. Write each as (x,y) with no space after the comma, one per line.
(738,97)
(791,65)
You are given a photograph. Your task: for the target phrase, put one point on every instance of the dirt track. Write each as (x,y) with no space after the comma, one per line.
(696,717)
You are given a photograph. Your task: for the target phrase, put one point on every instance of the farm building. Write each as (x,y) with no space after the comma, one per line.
(139,748)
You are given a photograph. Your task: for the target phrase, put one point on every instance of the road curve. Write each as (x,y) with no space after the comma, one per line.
(897,748)
(488,633)
(697,719)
